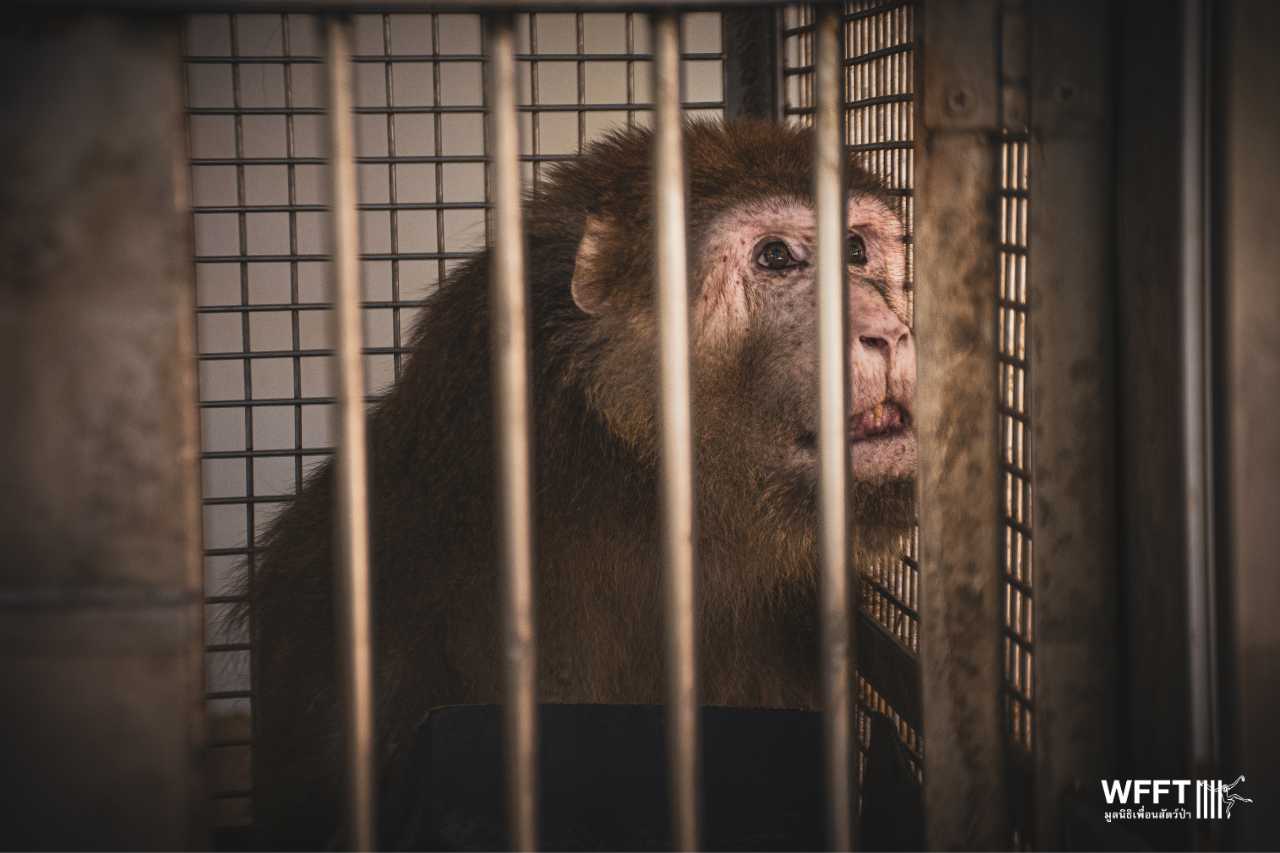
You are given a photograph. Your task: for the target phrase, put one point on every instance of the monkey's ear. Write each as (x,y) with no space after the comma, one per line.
(587,288)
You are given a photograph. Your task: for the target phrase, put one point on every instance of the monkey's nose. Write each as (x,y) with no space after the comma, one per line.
(873,324)
(885,340)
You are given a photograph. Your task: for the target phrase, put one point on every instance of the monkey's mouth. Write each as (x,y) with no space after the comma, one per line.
(883,420)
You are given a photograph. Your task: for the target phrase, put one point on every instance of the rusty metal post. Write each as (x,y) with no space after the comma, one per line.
(1072,404)
(102,726)
(955,237)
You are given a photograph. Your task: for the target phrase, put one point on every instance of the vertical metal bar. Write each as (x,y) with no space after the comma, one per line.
(580,67)
(631,66)
(352,603)
(393,196)
(833,419)
(1197,398)
(960,618)
(509,335)
(251,487)
(1072,403)
(677,439)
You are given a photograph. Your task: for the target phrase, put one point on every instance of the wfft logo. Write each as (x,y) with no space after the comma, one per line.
(1169,799)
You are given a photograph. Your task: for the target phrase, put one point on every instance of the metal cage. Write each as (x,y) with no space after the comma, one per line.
(216,272)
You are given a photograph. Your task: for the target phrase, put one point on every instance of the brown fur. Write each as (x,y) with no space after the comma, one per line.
(599,623)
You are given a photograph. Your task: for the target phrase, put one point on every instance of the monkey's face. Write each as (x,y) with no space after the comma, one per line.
(755,358)
(756,338)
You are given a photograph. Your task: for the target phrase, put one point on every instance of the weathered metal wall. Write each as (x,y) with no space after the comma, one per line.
(1159,240)
(1247,70)
(956,187)
(1072,296)
(100,618)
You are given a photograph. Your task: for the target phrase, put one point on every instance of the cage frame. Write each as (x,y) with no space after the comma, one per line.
(1076,123)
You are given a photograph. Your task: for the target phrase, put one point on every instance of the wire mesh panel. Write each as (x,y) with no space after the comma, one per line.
(586,73)
(879,85)
(797,63)
(879,71)
(255,121)
(1015,450)
(879,79)
(1013,366)
(1015,437)
(879,43)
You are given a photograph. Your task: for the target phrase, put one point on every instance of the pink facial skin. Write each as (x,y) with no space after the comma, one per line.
(742,299)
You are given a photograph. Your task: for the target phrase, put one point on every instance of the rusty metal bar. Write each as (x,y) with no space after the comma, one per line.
(833,420)
(1072,404)
(677,432)
(509,338)
(353,601)
(960,619)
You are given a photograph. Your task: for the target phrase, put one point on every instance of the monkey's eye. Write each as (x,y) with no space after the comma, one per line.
(857,251)
(776,255)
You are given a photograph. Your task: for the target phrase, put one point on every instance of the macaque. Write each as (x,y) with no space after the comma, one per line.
(753,330)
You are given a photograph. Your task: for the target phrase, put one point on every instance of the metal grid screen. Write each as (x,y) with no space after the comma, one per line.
(1013,373)
(1015,436)
(256,129)
(879,44)
(879,48)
